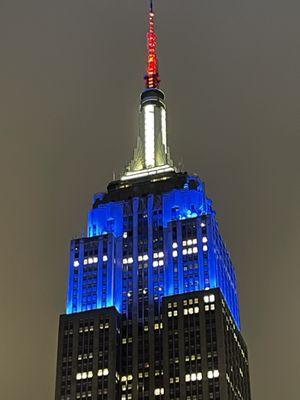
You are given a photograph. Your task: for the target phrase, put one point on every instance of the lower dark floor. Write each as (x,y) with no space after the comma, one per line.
(185,347)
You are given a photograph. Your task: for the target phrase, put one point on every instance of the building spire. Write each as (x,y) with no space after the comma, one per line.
(151,155)
(152,76)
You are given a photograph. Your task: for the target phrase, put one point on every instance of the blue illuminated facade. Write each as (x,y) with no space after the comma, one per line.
(160,242)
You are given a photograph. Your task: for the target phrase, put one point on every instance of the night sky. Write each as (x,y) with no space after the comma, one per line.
(70,76)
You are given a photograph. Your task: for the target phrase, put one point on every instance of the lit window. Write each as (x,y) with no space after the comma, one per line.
(95,259)
(155,263)
(125,261)
(184,243)
(175,253)
(189,242)
(184,252)
(204,239)
(140,258)
(90,374)
(193,377)
(78,376)
(199,376)
(91,260)
(202,224)
(105,258)
(155,255)
(195,241)
(161,263)
(76,263)
(195,250)
(175,245)
(125,235)
(145,257)
(160,254)
(85,261)
(212,298)
(130,260)
(213,374)
(84,375)
(205,248)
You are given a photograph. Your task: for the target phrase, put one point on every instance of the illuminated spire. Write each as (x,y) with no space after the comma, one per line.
(151,155)
(152,77)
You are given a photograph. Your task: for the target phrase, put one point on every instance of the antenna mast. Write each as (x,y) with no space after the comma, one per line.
(152,77)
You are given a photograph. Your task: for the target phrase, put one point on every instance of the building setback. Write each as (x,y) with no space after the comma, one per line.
(205,356)
(152,304)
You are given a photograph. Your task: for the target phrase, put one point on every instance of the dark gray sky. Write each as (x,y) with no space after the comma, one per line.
(70,76)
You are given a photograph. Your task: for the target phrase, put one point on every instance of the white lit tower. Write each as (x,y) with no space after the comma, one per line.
(151,155)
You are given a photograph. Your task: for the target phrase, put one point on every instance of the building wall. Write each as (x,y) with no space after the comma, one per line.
(173,235)
(205,356)
(88,361)
(185,347)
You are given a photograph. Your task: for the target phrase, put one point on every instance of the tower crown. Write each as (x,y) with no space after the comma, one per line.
(151,155)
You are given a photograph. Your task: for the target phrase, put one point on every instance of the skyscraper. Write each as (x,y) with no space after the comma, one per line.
(152,303)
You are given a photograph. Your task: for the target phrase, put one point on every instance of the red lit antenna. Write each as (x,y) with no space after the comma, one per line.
(152,76)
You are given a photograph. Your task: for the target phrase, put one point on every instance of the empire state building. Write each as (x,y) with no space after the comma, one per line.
(152,307)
